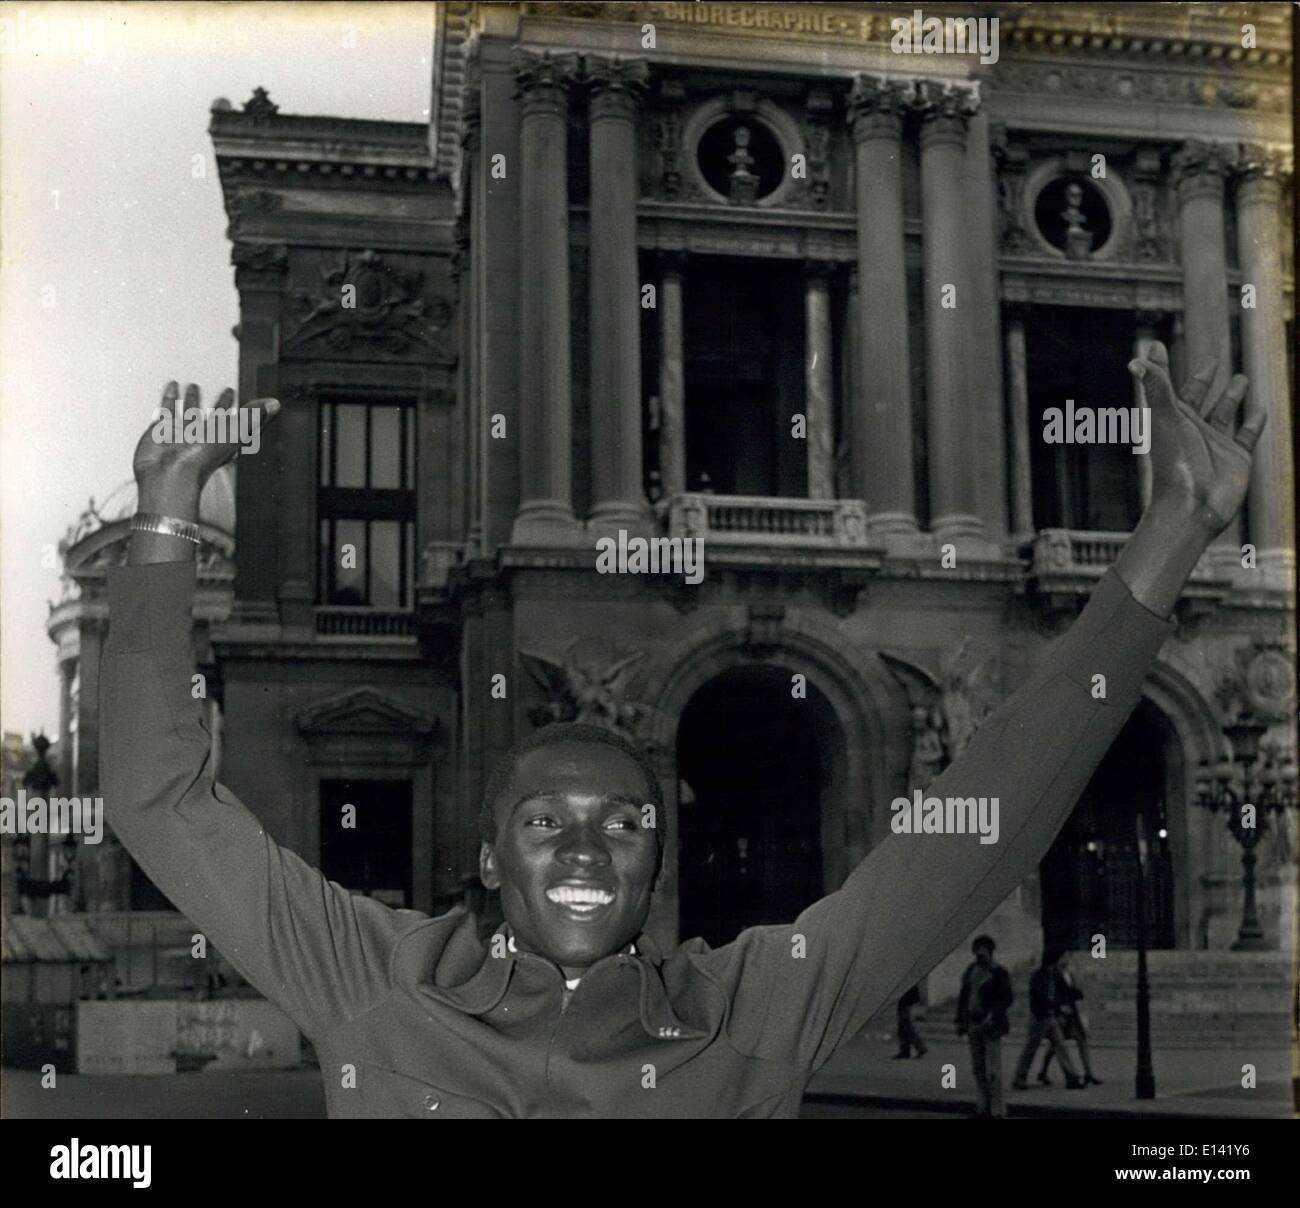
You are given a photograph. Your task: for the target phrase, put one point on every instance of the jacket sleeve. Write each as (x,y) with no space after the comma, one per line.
(797,991)
(309,945)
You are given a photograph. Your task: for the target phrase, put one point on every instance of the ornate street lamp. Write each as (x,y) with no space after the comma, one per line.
(1258,780)
(1144,1082)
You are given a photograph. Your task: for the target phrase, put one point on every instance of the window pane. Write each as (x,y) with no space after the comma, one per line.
(385,572)
(349,563)
(408,415)
(386,447)
(350,444)
(323,564)
(408,532)
(323,468)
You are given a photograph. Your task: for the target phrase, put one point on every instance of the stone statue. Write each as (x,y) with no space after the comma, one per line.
(582,690)
(1078,239)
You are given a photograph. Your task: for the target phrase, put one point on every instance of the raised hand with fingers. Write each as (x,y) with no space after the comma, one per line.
(159,458)
(1200,454)
(171,472)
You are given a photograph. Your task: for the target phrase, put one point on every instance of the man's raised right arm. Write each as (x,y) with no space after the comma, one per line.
(318,951)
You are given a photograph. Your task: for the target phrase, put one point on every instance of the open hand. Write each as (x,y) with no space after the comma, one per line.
(1200,455)
(165,466)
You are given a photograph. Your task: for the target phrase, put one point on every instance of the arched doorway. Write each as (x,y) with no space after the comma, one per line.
(755,765)
(1089,876)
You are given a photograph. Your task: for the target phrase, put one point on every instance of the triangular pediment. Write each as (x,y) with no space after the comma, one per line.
(364,711)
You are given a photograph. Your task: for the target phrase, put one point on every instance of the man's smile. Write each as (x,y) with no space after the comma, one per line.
(583,901)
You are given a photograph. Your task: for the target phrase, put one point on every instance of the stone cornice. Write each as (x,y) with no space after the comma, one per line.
(260,150)
(1194,32)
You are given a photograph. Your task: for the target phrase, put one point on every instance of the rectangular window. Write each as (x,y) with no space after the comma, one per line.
(365,837)
(366,504)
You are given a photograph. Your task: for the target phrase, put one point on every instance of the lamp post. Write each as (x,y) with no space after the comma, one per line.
(1255,782)
(1144,1082)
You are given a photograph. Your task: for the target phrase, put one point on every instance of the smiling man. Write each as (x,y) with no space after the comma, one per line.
(569,1009)
(570,843)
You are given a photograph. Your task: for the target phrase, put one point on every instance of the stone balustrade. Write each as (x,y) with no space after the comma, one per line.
(764,520)
(360,621)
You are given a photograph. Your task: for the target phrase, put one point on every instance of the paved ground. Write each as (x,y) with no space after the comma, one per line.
(1189,1082)
(862,1082)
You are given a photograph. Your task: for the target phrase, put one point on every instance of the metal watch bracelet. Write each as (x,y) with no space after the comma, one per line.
(148,522)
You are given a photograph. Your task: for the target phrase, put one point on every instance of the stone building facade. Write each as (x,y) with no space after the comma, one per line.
(744,273)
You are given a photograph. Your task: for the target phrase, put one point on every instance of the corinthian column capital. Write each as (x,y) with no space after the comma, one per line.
(1197,169)
(877,105)
(543,78)
(1259,171)
(945,108)
(617,76)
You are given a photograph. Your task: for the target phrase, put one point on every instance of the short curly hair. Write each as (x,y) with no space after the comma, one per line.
(552,735)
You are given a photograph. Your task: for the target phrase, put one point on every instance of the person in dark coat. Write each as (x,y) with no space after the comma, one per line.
(909,1037)
(982,1005)
(1069,1016)
(1044,1025)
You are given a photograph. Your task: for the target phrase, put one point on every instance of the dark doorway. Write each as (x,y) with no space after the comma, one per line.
(743,346)
(1081,353)
(373,856)
(1089,877)
(755,763)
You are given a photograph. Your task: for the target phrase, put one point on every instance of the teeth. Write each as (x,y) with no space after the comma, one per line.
(573,895)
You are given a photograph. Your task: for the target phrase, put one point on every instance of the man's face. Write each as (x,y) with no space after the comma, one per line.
(983,955)
(572,859)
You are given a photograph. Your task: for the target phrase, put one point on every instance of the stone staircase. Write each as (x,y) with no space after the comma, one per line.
(1198,999)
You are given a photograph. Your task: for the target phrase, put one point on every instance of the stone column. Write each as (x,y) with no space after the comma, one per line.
(1263,349)
(818,379)
(299,543)
(945,110)
(882,405)
(984,354)
(88,659)
(1198,174)
(545,504)
(672,378)
(1144,334)
(617,491)
(261,270)
(1021,449)
(468,273)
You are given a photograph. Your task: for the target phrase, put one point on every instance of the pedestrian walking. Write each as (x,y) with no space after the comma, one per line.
(1070,1018)
(1044,1025)
(982,1005)
(909,1037)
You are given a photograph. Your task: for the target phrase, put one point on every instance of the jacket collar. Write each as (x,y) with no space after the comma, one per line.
(473,977)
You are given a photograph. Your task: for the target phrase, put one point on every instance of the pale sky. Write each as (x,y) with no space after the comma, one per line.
(116,270)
